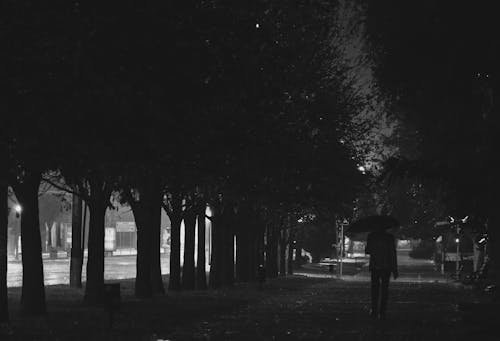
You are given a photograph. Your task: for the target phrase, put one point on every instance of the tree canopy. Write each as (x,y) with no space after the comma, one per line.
(436,61)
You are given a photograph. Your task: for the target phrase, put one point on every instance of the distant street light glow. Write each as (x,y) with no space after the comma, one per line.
(457,240)
(18,208)
(362,169)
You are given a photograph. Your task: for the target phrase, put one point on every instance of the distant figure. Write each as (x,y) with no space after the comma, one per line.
(381,246)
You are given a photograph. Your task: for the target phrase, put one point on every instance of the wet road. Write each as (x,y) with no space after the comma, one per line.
(56,271)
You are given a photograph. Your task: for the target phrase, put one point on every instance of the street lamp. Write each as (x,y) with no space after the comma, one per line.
(18,209)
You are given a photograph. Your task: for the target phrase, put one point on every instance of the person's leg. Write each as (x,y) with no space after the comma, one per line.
(375,286)
(384,277)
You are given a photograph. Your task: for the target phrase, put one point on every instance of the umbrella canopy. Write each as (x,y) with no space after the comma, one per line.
(373,223)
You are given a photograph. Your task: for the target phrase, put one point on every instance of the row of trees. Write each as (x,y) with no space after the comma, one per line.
(174,107)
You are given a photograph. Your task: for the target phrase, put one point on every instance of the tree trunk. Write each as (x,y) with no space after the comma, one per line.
(258,249)
(175,216)
(4,308)
(84,229)
(228,247)
(494,250)
(282,252)
(143,288)
(75,268)
(189,242)
(95,262)
(33,291)
(215,278)
(156,277)
(201,271)
(147,214)
(255,254)
(253,258)
(291,245)
(244,246)
(271,252)
(49,239)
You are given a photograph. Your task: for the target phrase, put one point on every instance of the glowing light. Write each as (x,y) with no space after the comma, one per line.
(300,220)
(482,240)
(457,240)
(208,212)
(257,25)
(18,208)
(362,169)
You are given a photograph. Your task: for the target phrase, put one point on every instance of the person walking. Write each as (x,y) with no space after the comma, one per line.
(381,247)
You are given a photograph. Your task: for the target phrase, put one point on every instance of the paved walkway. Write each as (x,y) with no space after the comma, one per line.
(338,310)
(422,306)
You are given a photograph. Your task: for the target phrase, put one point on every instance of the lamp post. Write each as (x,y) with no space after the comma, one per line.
(458,224)
(341,241)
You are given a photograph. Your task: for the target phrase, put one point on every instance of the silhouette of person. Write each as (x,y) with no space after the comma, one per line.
(381,247)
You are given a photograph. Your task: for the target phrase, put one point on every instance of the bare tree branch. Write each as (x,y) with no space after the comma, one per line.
(63,187)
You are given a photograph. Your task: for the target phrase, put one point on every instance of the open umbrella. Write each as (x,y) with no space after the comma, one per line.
(372,223)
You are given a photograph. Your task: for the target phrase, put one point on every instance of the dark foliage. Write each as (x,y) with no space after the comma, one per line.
(228,102)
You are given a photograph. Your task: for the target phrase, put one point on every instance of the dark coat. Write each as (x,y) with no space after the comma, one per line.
(381,246)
